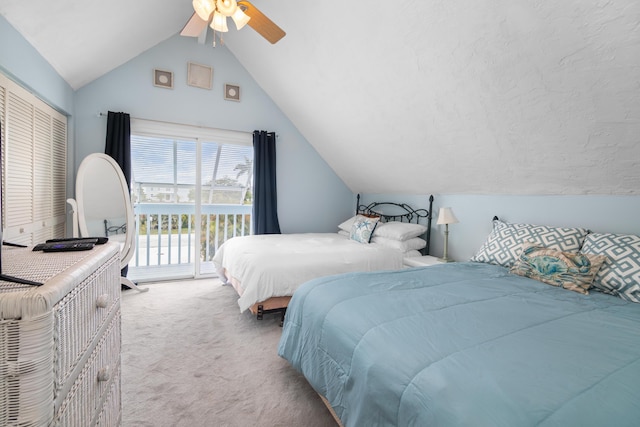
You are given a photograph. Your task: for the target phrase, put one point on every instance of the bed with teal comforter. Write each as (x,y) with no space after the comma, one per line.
(465,344)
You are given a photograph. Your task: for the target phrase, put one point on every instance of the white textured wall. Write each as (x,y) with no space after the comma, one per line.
(461,97)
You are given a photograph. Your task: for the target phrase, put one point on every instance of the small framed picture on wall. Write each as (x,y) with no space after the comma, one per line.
(231,92)
(163,78)
(199,75)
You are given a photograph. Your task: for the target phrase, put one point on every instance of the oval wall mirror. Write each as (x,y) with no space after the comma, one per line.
(104,206)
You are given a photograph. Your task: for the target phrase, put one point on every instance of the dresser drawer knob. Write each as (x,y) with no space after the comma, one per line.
(104,374)
(102,301)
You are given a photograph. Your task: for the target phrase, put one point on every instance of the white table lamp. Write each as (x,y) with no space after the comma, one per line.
(446,217)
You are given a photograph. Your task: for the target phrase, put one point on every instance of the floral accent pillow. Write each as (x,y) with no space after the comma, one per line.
(362,228)
(569,270)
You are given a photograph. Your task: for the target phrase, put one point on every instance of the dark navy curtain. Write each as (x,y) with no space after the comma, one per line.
(118,146)
(265,200)
(118,143)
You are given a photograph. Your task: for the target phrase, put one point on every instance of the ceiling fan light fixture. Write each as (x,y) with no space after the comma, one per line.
(204,8)
(219,22)
(226,7)
(240,18)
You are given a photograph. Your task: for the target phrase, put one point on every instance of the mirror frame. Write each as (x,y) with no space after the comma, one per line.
(126,252)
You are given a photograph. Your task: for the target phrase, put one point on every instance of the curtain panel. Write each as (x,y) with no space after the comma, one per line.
(118,142)
(118,146)
(265,199)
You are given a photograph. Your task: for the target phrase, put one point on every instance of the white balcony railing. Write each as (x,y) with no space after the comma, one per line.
(165,232)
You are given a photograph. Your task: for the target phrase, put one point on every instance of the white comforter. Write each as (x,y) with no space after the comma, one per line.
(276,264)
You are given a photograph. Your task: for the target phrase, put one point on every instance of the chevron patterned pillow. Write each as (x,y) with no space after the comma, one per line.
(504,243)
(620,274)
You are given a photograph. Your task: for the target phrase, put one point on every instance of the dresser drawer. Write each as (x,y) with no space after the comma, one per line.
(25,364)
(87,395)
(111,412)
(79,316)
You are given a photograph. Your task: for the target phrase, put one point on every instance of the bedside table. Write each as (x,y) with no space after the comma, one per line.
(422,261)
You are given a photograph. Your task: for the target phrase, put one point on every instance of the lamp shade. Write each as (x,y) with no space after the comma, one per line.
(204,8)
(446,216)
(226,7)
(219,22)
(240,18)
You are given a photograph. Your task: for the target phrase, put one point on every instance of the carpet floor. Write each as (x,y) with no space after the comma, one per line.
(190,358)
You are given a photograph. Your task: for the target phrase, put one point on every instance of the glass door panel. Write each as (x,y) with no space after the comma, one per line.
(163,187)
(226,197)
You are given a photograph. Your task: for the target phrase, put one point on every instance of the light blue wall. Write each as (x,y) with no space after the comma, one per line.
(310,195)
(23,64)
(613,214)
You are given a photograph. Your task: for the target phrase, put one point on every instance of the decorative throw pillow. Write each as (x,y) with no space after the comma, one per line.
(620,274)
(346,225)
(569,270)
(503,244)
(362,228)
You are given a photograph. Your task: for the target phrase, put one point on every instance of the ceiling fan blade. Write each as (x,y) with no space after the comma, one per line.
(194,27)
(263,25)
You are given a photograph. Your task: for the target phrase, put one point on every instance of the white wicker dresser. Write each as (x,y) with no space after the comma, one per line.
(60,342)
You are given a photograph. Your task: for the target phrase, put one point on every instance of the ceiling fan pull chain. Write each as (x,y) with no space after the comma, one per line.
(219,35)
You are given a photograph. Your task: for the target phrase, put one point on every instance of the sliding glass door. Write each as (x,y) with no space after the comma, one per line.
(190,196)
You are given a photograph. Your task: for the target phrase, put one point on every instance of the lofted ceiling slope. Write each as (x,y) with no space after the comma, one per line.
(469,97)
(85,39)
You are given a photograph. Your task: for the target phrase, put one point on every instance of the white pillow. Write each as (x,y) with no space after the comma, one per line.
(346,226)
(344,233)
(415,243)
(399,230)
(412,254)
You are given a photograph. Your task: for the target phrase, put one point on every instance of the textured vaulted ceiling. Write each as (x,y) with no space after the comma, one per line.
(485,96)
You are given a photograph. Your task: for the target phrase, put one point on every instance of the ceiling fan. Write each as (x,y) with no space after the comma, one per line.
(215,13)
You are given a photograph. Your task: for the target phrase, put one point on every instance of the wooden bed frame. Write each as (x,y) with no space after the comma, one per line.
(395,212)
(259,309)
(333,413)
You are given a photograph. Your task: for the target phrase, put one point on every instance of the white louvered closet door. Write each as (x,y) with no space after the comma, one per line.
(34,153)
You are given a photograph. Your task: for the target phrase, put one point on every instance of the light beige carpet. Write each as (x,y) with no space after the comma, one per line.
(190,358)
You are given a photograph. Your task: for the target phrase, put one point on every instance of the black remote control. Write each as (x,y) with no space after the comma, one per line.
(49,243)
(67,246)
(96,240)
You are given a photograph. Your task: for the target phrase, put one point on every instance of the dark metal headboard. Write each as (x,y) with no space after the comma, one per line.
(406,214)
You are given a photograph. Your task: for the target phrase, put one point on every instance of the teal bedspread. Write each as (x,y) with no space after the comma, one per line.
(465,344)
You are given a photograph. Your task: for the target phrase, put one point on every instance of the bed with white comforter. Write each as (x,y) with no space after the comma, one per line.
(274,265)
